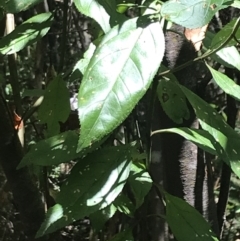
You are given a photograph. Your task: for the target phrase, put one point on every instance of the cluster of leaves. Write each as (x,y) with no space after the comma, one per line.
(118,68)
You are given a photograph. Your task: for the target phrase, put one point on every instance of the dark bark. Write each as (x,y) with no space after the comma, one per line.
(176,162)
(25,193)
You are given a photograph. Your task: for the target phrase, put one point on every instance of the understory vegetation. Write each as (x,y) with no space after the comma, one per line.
(119,120)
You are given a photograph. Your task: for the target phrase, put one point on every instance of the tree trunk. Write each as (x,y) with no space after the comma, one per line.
(176,163)
(25,193)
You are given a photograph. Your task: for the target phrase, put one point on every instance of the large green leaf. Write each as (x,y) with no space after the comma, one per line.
(55,106)
(225,83)
(27,33)
(93,184)
(186,222)
(56,149)
(14,6)
(227,140)
(201,138)
(118,75)
(95,10)
(192,14)
(224,34)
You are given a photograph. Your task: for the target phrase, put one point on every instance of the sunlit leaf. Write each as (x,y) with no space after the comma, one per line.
(225,83)
(122,8)
(192,14)
(53,214)
(236,4)
(199,137)
(227,141)
(27,33)
(231,56)
(227,56)
(124,205)
(117,77)
(95,10)
(81,65)
(93,184)
(140,182)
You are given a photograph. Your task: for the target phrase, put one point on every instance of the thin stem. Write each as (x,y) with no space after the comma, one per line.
(64,35)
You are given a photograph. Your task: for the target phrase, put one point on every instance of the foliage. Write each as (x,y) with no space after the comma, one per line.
(27,33)
(116,71)
(177,211)
(116,91)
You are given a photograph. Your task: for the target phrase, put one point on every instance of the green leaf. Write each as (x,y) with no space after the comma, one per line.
(227,56)
(93,184)
(125,235)
(27,33)
(225,83)
(55,150)
(55,106)
(227,140)
(192,14)
(15,6)
(81,66)
(151,7)
(100,217)
(236,4)
(123,7)
(53,214)
(115,17)
(231,56)
(140,182)
(173,100)
(201,138)
(186,222)
(117,77)
(95,10)
(124,205)
(52,151)
(224,34)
